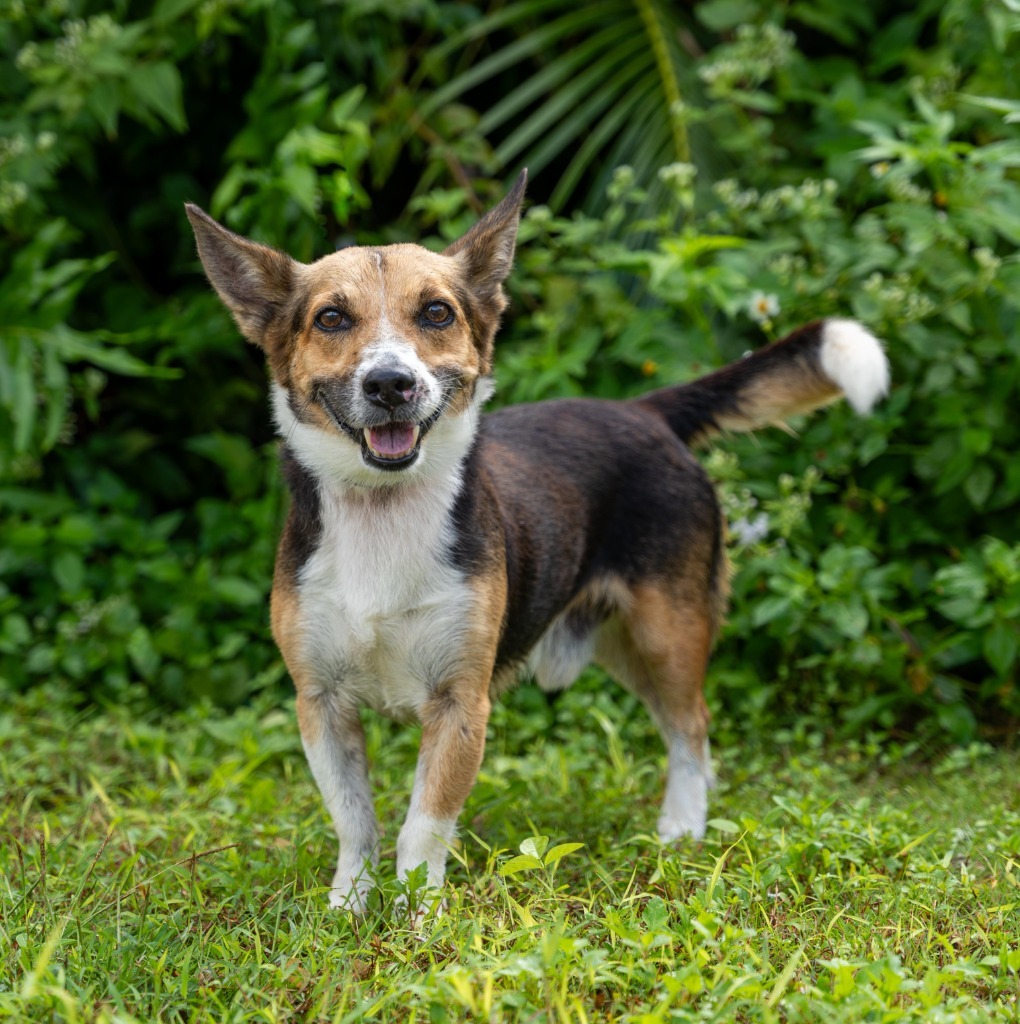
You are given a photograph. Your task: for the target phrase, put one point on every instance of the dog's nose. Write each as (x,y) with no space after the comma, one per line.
(388,386)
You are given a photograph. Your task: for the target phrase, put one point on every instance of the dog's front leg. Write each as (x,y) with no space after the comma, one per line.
(452,742)
(334,743)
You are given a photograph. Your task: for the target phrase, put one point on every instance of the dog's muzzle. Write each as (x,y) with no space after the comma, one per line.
(392,437)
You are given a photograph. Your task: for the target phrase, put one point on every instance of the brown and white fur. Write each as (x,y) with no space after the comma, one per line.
(432,554)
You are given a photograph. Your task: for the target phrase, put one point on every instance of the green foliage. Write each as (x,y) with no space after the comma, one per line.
(843,160)
(122,603)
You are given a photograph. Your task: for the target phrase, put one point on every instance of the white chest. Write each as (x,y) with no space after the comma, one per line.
(383,612)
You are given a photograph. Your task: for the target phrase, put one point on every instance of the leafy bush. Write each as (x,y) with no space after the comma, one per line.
(856,160)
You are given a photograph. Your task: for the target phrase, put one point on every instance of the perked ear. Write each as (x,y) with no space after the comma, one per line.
(253,280)
(487,250)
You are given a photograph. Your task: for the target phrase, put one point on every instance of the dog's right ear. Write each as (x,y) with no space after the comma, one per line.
(253,280)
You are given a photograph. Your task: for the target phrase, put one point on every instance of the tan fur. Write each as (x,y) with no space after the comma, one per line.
(285,618)
(659,647)
(782,394)
(455,718)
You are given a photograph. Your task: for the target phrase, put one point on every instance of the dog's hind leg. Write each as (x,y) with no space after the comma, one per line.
(658,647)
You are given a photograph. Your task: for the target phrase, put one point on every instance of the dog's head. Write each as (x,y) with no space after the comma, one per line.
(379,357)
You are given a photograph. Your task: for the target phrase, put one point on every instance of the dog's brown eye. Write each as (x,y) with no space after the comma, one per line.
(437,314)
(332,319)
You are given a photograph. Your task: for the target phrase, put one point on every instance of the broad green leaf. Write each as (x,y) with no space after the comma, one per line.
(103,101)
(158,86)
(69,571)
(142,653)
(303,186)
(517,864)
(558,852)
(345,106)
(23,400)
(534,846)
(722,15)
(723,825)
(237,590)
(849,617)
(1000,646)
(978,486)
(170,10)
(769,608)
(74,345)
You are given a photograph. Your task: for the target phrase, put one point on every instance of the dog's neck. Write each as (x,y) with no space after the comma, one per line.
(336,462)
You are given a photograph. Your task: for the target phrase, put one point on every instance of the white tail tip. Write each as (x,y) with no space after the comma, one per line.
(852,358)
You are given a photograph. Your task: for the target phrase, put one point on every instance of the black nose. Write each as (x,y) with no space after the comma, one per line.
(388,386)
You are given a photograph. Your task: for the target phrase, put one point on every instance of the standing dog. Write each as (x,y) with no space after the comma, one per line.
(431,553)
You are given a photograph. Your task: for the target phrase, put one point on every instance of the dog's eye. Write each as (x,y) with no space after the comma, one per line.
(437,314)
(332,320)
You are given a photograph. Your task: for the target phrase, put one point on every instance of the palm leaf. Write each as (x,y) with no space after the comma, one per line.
(569,110)
(596,86)
(586,54)
(598,140)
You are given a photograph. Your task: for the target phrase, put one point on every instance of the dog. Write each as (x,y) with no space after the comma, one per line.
(432,555)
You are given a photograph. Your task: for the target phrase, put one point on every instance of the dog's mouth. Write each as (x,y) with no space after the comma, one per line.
(391,445)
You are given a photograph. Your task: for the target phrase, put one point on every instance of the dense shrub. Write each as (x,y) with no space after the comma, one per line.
(846,159)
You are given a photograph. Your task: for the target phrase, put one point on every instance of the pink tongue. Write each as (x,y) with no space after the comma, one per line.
(392,438)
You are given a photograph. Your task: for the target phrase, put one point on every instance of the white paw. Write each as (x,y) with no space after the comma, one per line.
(350,890)
(351,900)
(671,829)
(685,804)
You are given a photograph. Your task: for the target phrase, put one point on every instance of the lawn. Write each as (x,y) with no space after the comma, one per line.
(173,869)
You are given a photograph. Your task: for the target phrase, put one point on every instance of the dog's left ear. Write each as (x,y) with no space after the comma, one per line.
(487,250)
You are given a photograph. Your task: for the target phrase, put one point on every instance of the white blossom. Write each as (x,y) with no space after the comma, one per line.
(750,531)
(763,307)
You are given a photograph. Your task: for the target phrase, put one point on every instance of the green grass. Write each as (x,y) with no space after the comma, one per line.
(173,869)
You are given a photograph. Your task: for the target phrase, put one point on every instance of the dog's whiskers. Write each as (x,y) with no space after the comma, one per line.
(297,418)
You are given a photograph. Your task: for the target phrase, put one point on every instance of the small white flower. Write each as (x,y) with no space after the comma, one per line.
(750,531)
(763,307)
(678,175)
(986,259)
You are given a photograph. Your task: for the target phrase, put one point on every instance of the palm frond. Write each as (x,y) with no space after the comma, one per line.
(593,86)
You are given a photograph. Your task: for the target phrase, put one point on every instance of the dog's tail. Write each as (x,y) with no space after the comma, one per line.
(807,369)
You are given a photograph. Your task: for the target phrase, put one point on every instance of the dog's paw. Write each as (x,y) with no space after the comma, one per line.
(350,891)
(673,828)
(350,900)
